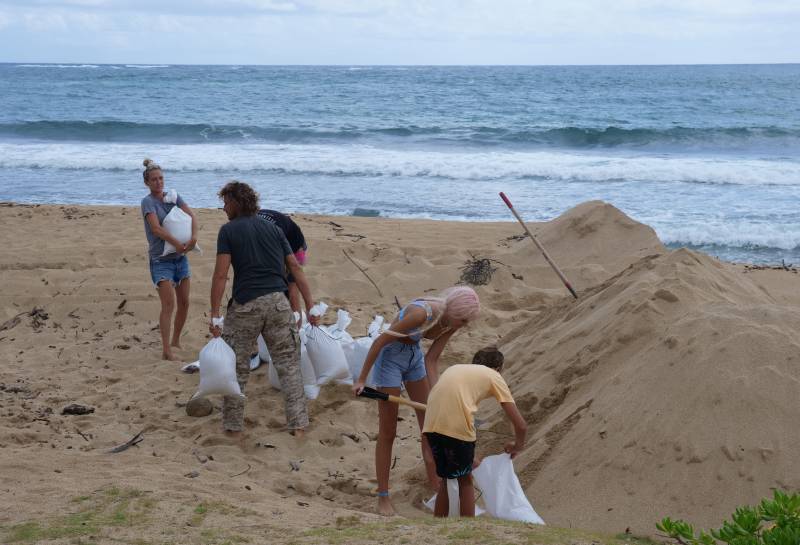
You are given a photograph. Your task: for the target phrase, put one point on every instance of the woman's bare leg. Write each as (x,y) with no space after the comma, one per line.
(387,430)
(418,391)
(182,295)
(167,295)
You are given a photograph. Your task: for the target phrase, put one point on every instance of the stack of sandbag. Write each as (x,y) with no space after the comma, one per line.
(327,353)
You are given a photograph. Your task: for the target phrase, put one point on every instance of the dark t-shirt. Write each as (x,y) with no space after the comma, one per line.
(258,250)
(292,231)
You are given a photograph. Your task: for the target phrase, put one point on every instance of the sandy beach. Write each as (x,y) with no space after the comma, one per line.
(670,387)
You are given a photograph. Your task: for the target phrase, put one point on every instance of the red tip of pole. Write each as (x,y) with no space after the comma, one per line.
(572,291)
(505,200)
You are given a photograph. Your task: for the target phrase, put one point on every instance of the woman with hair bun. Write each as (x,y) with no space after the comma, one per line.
(170,273)
(398,359)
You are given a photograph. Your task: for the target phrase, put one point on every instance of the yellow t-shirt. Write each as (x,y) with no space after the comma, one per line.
(454,400)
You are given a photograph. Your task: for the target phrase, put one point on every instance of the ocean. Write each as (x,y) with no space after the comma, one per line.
(709,156)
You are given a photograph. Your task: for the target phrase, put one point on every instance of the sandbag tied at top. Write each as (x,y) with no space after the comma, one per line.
(218,370)
(327,357)
(339,330)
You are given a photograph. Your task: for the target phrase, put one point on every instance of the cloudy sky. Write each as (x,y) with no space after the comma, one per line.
(400,31)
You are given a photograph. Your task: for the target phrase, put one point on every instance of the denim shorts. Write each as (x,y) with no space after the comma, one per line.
(397,363)
(173,270)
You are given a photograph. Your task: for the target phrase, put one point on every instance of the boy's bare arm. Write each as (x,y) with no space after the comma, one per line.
(520,428)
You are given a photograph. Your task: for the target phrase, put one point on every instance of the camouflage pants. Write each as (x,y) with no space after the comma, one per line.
(271,316)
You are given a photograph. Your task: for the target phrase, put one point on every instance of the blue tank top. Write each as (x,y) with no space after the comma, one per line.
(416,333)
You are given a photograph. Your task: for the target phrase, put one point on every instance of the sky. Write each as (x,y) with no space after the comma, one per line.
(432,32)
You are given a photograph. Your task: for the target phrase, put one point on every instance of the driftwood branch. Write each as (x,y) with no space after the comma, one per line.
(12,322)
(135,440)
(380,293)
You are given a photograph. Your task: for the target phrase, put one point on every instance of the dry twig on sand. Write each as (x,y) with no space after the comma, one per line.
(135,440)
(362,271)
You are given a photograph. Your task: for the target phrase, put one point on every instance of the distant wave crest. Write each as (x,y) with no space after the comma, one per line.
(676,138)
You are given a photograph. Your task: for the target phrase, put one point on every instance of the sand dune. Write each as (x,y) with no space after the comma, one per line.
(669,387)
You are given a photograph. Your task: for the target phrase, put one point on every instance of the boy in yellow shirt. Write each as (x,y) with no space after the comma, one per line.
(450,427)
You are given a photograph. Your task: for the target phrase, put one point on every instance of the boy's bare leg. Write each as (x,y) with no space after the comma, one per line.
(466,496)
(442,506)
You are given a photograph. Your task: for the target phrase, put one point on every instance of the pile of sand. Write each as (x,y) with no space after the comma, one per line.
(668,388)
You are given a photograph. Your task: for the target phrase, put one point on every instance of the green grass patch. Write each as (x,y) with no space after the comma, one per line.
(485,531)
(216,537)
(108,508)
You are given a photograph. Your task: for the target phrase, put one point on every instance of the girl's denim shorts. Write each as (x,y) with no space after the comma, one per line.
(397,363)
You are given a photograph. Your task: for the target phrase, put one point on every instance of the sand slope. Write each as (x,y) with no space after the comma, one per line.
(668,388)
(671,388)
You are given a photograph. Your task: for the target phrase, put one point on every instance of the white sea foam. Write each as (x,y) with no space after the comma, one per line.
(57,66)
(733,233)
(367,161)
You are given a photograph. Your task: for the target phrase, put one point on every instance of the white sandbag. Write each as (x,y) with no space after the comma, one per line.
(355,353)
(319,309)
(178,224)
(272,375)
(452,498)
(171,196)
(306,367)
(217,370)
(327,357)
(339,330)
(306,370)
(377,326)
(255,362)
(263,351)
(502,493)
(311,390)
(301,320)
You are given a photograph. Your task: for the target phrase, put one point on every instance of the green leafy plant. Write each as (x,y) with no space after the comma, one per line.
(774,521)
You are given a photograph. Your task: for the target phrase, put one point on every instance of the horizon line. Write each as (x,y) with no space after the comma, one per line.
(338,65)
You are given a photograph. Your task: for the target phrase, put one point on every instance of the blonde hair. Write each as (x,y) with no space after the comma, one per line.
(459,302)
(149,166)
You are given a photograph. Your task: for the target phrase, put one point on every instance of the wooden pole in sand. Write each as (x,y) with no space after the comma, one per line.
(538,245)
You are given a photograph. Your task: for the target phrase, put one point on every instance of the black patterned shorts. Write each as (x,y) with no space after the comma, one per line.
(453,456)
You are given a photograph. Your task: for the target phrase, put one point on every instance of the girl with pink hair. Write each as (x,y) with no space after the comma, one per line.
(398,359)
